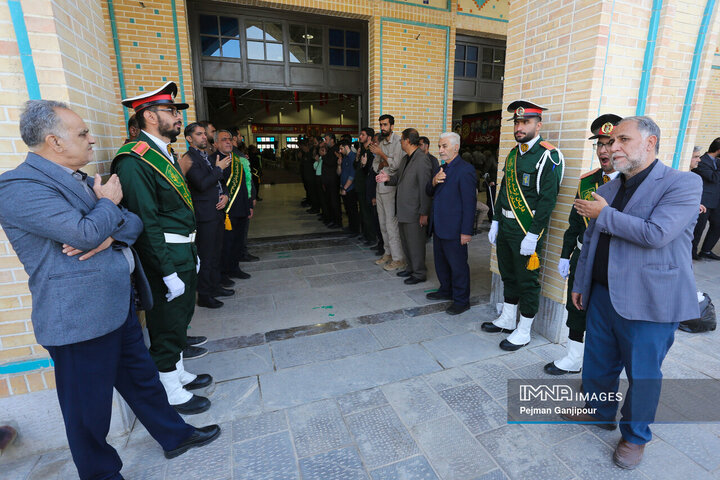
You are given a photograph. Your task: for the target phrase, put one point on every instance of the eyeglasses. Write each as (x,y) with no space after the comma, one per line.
(599,146)
(173,111)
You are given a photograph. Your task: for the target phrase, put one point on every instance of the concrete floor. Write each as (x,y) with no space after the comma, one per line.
(327,367)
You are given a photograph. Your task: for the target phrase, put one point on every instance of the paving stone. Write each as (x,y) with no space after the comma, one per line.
(327,346)
(520,358)
(19,469)
(536,371)
(661,461)
(152,473)
(234,343)
(276,264)
(346,257)
(496,474)
(460,349)
(492,375)
(265,458)
(454,453)
(230,400)
(553,433)
(375,318)
(520,455)
(381,437)
(55,465)
(208,463)
(233,364)
(355,266)
(445,379)
(416,468)
(475,408)
(317,427)
(415,402)
(591,459)
(308,383)
(258,425)
(362,400)
(305,330)
(549,352)
(142,456)
(343,464)
(407,330)
(699,444)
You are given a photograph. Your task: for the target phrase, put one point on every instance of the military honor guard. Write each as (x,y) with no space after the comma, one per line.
(155,189)
(601,129)
(529,189)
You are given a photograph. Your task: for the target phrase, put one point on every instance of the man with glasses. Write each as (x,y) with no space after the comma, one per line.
(155,189)
(601,129)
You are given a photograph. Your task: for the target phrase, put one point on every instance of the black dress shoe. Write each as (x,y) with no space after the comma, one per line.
(456,309)
(438,296)
(195,405)
(226,282)
(201,381)
(709,255)
(492,328)
(192,351)
(510,347)
(404,273)
(312,210)
(414,281)
(196,341)
(209,302)
(201,436)
(551,369)
(240,274)
(249,258)
(695,256)
(223,292)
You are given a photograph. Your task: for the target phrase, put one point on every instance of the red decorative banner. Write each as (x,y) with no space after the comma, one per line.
(303,128)
(481,128)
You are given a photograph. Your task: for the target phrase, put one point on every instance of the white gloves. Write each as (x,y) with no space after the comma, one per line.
(197,267)
(564,267)
(175,286)
(492,234)
(529,244)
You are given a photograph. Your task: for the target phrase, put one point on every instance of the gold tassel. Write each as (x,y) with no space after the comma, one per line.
(228,224)
(533,262)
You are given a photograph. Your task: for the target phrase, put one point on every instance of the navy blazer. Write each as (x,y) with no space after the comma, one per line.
(203,179)
(454,200)
(709,170)
(43,207)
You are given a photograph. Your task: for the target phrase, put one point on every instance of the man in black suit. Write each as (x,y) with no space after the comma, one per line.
(209,199)
(709,169)
(331,182)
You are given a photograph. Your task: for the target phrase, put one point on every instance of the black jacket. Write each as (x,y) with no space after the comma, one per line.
(710,173)
(242,204)
(206,184)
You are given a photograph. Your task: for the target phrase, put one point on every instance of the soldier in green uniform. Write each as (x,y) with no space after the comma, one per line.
(601,129)
(529,189)
(154,188)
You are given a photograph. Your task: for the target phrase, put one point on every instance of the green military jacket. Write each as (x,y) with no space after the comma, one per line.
(542,202)
(151,197)
(578,223)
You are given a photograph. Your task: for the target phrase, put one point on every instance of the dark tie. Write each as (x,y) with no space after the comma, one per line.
(606,178)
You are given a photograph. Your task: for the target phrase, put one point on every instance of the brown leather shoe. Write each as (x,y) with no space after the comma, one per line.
(628,455)
(586,418)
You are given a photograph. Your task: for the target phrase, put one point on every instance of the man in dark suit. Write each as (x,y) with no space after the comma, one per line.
(331,182)
(209,198)
(425,147)
(454,192)
(709,169)
(51,212)
(412,204)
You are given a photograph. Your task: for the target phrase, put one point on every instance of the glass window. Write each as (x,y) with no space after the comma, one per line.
(305,44)
(273,32)
(472,54)
(337,56)
(487,71)
(231,48)
(274,52)
(499,56)
(460,52)
(352,39)
(336,38)
(229,27)
(210,46)
(352,58)
(256,50)
(254,30)
(472,61)
(297,54)
(297,33)
(471,69)
(314,35)
(487,55)
(208,25)
(265,41)
(498,73)
(459,69)
(314,55)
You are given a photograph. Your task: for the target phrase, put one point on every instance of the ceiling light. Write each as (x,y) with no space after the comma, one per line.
(307,36)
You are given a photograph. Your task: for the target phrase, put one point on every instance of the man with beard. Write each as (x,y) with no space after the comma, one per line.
(388,156)
(331,182)
(601,129)
(210,133)
(529,189)
(635,280)
(155,189)
(363,165)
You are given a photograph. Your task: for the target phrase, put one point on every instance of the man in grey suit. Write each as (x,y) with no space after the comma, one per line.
(635,279)
(412,204)
(83,307)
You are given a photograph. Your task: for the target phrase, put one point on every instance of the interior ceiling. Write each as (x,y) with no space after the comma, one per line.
(252,105)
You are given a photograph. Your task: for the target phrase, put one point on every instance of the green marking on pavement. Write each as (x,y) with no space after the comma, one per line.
(324,307)
(431,290)
(331,314)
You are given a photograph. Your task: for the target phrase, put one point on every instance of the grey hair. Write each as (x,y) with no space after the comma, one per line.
(647,127)
(222,130)
(39,119)
(696,149)
(454,137)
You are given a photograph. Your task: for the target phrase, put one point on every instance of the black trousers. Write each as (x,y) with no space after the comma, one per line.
(350,200)
(209,242)
(234,245)
(332,198)
(713,216)
(85,374)
(367,222)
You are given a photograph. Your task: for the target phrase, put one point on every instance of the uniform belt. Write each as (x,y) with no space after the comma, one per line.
(176,238)
(510,214)
(579,244)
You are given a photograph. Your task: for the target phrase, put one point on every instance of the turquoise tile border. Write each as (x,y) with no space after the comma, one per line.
(118,58)
(649,57)
(692,81)
(447,9)
(181,81)
(716,67)
(502,20)
(23,41)
(447,56)
(25,366)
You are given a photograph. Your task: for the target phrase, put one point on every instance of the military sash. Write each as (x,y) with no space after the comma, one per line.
(160,164)
(237,174)
(518,203)
(588,184)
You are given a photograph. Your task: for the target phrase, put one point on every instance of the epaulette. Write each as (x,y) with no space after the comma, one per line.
(140,148)
(547,145)
(592,172)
